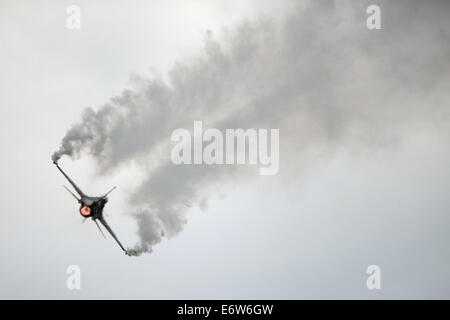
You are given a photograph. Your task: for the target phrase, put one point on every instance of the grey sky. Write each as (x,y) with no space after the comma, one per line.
(363,117)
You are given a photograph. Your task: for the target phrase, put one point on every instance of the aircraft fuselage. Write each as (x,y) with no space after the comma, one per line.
(92,208)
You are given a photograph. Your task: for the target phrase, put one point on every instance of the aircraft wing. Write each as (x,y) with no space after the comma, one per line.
(78,190)
(105,224)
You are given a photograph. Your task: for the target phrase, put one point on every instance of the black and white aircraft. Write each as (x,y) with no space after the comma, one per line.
(91,207)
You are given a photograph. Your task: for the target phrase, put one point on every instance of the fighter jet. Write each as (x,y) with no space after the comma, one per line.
(91,207)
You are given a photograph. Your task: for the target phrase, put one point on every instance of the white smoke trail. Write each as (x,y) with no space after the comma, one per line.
(320,76)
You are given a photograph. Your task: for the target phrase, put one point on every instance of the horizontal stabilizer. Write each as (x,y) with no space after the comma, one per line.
(79,200)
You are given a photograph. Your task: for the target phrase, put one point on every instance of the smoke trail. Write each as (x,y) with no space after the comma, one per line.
(319,75)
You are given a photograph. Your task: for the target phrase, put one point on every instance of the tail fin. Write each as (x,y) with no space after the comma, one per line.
(113,188)
(100,229)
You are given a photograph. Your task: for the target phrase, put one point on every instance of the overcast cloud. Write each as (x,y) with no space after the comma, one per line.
(363,118)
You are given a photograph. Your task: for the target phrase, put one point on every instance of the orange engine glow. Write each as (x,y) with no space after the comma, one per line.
(85,211)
